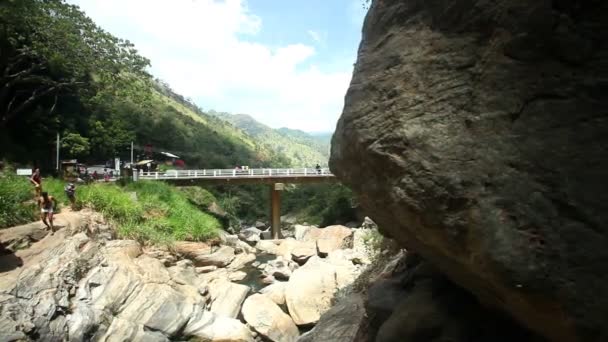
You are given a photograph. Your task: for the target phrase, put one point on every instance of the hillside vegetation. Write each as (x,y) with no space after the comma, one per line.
(145,211)
(300,148)
(64,74)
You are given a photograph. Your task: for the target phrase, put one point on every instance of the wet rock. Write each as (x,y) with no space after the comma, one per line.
(268,319)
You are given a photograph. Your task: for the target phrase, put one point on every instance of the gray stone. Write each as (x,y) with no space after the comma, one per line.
(268,319)
(220,258)
(276,292)
(475,133)
(227,297)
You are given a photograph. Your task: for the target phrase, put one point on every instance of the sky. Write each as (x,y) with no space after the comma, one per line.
(287,63)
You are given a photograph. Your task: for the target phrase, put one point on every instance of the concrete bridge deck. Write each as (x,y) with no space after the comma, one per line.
(274,177)
(233,176)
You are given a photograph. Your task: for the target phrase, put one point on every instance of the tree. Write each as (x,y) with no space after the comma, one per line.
(75,145)
(49,48)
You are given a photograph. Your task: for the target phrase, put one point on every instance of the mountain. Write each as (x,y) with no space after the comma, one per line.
(320,141)
(299,147)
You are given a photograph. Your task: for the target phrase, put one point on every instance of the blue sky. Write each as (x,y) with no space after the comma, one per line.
(287,63)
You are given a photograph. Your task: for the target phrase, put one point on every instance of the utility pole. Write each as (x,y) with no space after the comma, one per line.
(131,154)
(57,147)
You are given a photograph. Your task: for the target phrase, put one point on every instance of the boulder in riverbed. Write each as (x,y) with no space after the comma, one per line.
(227,297)
(310,291)
(276,292)
(220,258)
(269,320)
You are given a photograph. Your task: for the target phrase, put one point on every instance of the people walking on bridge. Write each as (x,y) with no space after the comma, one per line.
(46,204)
(318,167)
(36,179)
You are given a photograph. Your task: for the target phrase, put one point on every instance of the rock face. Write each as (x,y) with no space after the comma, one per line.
(267,318)
(482,127)
(76,287)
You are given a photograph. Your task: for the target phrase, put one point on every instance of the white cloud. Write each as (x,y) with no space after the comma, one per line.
(206,50)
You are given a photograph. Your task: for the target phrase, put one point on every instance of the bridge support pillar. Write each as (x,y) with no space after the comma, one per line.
(275,209)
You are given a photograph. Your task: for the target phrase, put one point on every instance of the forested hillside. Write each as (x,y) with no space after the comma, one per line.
(61,73)
(301,148)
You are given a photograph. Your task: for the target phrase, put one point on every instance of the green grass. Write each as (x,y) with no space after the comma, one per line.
(17,203)
(146,211)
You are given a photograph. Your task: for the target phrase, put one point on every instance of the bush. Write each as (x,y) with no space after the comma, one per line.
(17,200)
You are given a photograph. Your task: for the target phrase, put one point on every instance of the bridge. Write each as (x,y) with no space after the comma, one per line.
(275,177)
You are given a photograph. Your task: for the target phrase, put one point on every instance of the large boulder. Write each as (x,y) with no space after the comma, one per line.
(475,133)
(227,297)
(267,246)
(241,260)
(268,319)
(329,238)
(302,251)
(310,291)
(276,292)
(300,231)
(220,258)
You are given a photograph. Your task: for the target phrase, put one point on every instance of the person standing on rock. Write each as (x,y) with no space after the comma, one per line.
(46,204)
(37,181)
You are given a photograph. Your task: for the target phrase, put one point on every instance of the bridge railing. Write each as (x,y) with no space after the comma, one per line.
(226,173)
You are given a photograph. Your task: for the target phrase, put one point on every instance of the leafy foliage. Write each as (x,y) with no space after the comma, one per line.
(61,73)
(17,204)
(321,204)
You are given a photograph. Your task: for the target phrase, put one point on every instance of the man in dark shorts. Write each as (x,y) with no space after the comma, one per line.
(37,181)
(46,204)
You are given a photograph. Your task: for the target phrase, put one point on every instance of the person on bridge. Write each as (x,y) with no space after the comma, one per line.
(318,167)
(46,204)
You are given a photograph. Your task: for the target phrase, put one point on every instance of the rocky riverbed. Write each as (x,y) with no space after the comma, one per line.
(82,284)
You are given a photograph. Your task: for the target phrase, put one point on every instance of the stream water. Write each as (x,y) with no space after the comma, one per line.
(253,278)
